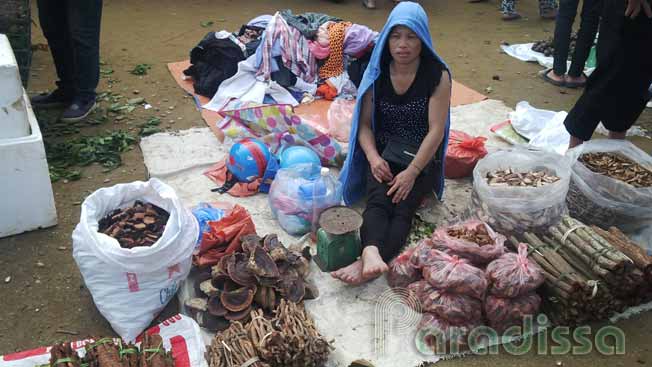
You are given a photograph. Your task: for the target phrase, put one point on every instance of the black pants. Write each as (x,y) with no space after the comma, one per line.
(72,28)
(616,92)
(585,36)
(387,225)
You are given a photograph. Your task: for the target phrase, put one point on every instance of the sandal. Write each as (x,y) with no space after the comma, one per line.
(544,75)
(575,85)
(511,16)
(368,5)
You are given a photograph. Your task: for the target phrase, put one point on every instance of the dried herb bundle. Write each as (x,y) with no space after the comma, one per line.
(618,167)
(587,276)
(62,355)
(152,353)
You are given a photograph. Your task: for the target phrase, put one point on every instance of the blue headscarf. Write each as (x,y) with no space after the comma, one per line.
(353,175)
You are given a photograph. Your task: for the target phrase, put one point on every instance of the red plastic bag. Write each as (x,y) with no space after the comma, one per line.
(454,308)
(442,337)
(503,313)
(417,289)
(223,237)
(464,152)
(488,247)
(455,275)
(401,272)
(513,274)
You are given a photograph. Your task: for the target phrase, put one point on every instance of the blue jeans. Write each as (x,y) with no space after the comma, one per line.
(509,6)
(72,28)
(585,36)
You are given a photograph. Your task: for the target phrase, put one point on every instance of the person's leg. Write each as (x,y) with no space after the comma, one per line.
(563,29)
(84,26)
(633,80)
(375,218)
(85,18)
(508,8)
(404,212)
(598,94)
(548,9)
(54,23)
(585,39)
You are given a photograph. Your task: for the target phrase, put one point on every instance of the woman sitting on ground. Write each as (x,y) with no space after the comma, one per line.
(399,134)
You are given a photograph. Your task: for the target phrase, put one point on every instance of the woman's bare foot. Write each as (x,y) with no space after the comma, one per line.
(558,78)
(351,274)
(372,264)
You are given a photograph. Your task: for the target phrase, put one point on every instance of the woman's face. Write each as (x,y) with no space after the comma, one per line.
(404,45)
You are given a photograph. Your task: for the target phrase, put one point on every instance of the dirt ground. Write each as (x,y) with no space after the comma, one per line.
(45,300)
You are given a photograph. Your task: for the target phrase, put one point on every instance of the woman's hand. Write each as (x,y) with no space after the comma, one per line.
(402,184)
(380,169)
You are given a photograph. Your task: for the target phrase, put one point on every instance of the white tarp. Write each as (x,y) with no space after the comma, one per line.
(524,52)
(352,316)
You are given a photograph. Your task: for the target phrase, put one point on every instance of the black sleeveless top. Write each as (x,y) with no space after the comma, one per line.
(406,115)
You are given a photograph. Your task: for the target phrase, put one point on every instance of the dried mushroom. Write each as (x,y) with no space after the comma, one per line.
(240,315)
(238,300)
(212,323)
(238,271)
(250,242)
(215,307)
(266,297)
(275,248)
(293,289)
(208,288)
(509,177)
(261,264)
(197,304)
(618,167)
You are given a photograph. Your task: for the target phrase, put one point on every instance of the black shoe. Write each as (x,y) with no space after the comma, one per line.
(57,98)
(78,110)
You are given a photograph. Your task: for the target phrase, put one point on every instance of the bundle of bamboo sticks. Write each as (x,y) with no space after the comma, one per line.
(590,273)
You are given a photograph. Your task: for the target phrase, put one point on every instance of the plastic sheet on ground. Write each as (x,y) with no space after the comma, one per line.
(524,52)
(349,315)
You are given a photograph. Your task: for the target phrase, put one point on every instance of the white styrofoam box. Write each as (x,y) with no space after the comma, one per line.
(26,200)
(13,114)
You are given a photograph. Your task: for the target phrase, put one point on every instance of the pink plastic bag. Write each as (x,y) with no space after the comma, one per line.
(443,337)
(401,272)
(421,252)
(513,274)
(481,252)
(503,313)
(340,115)
(454,308)
(455,275)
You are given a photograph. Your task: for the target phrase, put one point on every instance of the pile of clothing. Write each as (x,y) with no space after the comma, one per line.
(282,59)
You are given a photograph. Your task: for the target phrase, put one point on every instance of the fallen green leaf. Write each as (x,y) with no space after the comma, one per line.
(141,69)
(206,24)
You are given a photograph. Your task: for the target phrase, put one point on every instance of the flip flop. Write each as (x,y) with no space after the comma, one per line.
(544,75)
(365,3)
(575,85)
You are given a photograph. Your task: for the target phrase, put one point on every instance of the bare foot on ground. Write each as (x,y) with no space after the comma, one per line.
(351,274)
(372,264)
